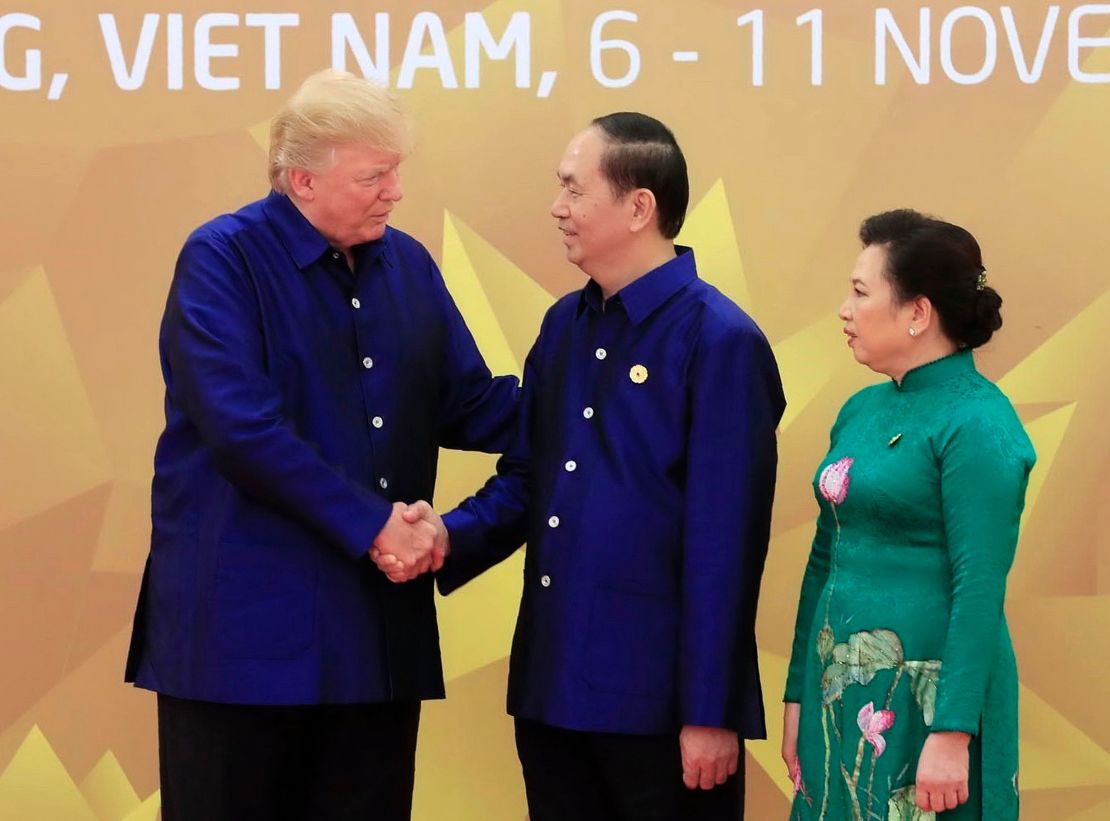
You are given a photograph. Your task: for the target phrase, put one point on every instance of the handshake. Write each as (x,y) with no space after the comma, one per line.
(413,541)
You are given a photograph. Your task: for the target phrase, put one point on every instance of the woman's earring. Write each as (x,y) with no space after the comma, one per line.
(913,331)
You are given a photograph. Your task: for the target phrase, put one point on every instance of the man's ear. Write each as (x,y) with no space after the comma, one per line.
(643,209)
(302,184)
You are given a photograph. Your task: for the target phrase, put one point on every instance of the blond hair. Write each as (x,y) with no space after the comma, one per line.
(329,108)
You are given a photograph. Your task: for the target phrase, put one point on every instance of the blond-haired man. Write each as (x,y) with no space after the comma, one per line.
(314,364)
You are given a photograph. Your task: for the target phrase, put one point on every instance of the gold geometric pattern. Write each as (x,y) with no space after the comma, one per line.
(709,231)
(107,790)
(47,426)
(35,784)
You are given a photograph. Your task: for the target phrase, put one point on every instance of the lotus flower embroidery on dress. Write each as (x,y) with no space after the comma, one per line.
(834,481)
(799,784)
(873,723)
(833,484)
(856,662)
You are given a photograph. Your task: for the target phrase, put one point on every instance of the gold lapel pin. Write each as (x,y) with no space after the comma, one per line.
(894,440)
(638,374)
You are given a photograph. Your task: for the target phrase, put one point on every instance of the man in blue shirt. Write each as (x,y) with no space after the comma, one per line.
(314,364)
(642,479)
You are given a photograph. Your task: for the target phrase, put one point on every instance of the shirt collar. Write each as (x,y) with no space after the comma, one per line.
(937,371)
(641,297)
(303,242)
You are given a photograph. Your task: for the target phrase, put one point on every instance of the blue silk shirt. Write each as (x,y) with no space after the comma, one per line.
(302,400)
(642,480)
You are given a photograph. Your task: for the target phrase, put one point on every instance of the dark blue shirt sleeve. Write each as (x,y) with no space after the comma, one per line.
(216,370)
(735,405)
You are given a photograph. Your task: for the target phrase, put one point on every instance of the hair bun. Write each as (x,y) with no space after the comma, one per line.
(986,320)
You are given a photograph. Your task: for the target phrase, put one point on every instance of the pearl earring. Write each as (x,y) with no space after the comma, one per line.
(913,331)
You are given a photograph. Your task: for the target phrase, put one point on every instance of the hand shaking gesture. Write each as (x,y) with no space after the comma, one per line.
(413,541)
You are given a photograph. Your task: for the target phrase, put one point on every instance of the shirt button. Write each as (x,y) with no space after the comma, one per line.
(383,483)
(545,580)
(367,363)
(571,466)
(335,255)
(553,521)
(600,353)
(588,413)
(355,303)
(377,422)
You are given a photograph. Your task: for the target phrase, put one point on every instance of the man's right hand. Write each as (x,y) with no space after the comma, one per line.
(406,546)
(422,511)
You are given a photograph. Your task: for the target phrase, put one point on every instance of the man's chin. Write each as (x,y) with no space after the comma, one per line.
(374,232)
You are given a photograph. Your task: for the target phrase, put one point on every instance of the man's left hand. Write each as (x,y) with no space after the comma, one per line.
(417,514)
(709,755)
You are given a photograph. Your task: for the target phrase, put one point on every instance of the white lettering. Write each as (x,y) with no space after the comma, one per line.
(1076,42)
(990,45)
(517,35)
(427,23)
(886,25)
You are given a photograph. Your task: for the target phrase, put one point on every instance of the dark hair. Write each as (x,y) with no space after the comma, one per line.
(928,257)
(643,153)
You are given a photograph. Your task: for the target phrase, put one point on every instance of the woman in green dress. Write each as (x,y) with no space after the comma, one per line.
(901,698)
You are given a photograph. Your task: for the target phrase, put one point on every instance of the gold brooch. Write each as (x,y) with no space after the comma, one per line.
(638,374)
(894,440)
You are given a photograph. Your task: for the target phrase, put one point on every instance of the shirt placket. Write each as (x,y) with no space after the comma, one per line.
(595,342)
(370,364)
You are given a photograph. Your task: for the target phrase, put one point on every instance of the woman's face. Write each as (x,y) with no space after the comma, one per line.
(877,326)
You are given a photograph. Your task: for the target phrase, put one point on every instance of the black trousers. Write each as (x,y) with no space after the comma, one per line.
(313,763)
(576,776)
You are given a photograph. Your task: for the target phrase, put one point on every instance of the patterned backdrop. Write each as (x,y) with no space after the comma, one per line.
(794,129)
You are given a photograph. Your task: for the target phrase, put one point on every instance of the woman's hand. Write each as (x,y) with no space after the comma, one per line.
(942,771)
(791,712)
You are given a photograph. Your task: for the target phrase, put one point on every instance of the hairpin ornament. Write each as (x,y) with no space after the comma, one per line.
(981,281)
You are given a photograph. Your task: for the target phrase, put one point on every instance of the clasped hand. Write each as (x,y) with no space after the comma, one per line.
(413,541)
